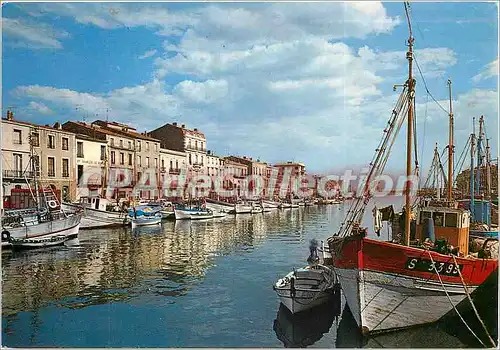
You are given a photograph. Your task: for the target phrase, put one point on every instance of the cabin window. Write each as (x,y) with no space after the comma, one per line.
(451,220)
(438,219)
(424,215)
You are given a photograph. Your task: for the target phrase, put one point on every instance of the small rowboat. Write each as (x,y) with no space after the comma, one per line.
(33,243)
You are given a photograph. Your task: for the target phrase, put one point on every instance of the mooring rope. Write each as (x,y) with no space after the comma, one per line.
(451,301)
(472,304)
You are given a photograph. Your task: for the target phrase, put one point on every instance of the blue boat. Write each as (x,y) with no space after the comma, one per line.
(144,215)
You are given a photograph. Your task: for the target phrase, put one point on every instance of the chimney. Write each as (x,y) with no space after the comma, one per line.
(57,125)
(195,129)
(174,123)
(183,126)
(10,115)
(209,152)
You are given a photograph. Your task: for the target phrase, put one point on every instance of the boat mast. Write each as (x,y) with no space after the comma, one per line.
(472,151)
(479,158)
(488,170)
(450,148)
(411,93)
(35,168)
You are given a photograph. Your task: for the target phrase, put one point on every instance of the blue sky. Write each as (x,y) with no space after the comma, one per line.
(310,82)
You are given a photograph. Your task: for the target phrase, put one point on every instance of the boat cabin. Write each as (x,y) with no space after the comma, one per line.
(94,203)
(450,223)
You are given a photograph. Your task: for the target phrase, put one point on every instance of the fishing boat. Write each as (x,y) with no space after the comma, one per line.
(241,207)
(192,213)
(98,212)
(46,219)
(144,215)
(307,287)
(38,242)
(256,208)
(268,205)
(390,285)
(220,206)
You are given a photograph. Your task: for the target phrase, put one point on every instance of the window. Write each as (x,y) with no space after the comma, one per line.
(36,165)
(129,145)
(189,158)
(35,139)
(171,164)
(202,146)
(156,162)
(189,143)
(424,215)
(112,141)
(80,172)
(147,146)
(451,220)
(139,174)
(130,159)
(156,147)
(65,167)
(122,158)
(196,144)
(438,219)
(103,152)
(79,149)
(17,138)
(65,193)
(147,162)
(65,143)
(177,164)
(112,157)
(196,159)
(51,141)
(201,160)
(51,167)
(121,143)
(139,146)
(163,163)
(18,164)
(139,161)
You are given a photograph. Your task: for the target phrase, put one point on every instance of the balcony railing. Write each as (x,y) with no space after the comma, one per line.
(194,148)
(174,171)
(17,174)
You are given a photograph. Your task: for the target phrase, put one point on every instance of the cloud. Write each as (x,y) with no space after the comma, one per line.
(148,54)
(33,35)
(40,107)
(489,71)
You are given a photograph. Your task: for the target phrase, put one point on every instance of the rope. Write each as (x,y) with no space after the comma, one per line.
(425,124)
(454,307)
(472,304)
(425,85)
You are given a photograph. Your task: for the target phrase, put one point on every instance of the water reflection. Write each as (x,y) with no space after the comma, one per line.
(303,329)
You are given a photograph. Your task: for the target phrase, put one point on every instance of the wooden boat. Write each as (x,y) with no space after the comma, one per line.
(305,288)
(95,213)
(40,242)
(144,215)
(412,280)
(192,214)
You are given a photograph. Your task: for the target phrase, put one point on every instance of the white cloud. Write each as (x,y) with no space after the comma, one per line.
(40,107)
(489,71)
(148,54)
(202,92)
(28,34)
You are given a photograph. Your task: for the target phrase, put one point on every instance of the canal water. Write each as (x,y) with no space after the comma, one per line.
(184,284)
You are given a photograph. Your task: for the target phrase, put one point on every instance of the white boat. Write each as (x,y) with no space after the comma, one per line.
(305,288)
(144,216)
(219,206)
(285,205)
(146,220)
(41,242)
(95,213)
(218,214)
(256,208)
(192,214)
(268,206)
(242,208)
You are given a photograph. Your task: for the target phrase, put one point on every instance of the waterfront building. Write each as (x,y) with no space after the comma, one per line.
(132,150)
(91,159)
(215,165)
(294,169)
(179,138)
(256,168)
(171,163)
(53,152)
(234,175)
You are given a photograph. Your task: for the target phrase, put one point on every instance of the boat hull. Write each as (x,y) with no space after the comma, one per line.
(36,243)
(389,286)
(146,221)
(68,227)
(94,218)
(191,214)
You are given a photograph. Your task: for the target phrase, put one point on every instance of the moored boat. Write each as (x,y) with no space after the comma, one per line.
(96,214)
(192,213)
(40,242)
(144,215)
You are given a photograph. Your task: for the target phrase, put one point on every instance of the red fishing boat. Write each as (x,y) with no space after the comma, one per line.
(419,278)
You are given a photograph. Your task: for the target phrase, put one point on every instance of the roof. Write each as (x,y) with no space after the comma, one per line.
(129,133)
(196,133)
(289,164)
(48,127)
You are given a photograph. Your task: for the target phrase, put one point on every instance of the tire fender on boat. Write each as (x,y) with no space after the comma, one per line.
(52,204)
(5,235)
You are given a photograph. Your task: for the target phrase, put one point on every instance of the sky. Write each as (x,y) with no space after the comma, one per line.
(309,82)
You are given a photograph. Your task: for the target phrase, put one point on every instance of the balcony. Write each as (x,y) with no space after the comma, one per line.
(197,149)
(174,171)
(17,174)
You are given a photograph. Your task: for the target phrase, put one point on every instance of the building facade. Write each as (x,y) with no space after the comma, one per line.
(287,174)
(53,152)
(91,162)
(192,142)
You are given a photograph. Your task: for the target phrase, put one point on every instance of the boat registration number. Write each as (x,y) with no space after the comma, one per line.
(426,265)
